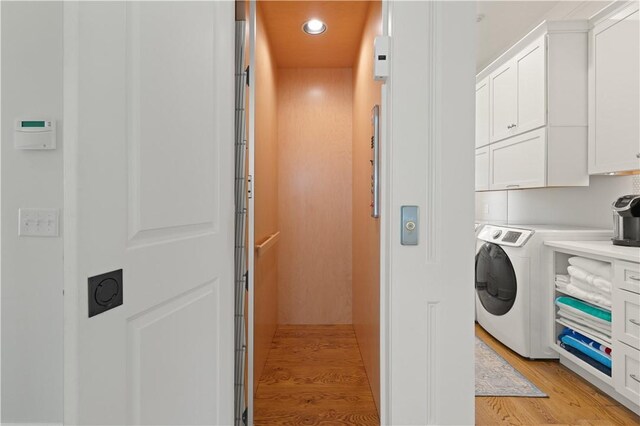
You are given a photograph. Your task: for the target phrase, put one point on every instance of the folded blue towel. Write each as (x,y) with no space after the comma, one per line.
(587,350)
(592,362)
(606,351)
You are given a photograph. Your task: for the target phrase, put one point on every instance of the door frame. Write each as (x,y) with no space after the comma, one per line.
(385,224)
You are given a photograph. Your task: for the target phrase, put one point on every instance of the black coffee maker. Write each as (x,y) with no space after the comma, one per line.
(626,221)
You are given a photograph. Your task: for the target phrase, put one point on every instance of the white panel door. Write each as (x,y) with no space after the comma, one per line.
(504,101)
(614,134)
(482,168)
(427,300)
(482,113)
(519,162)
(148,189)
(530,64)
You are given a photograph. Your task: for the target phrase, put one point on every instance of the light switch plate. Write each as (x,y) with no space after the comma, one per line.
(38,222)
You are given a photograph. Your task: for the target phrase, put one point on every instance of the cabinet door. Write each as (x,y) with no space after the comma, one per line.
(482,113)
(482,169)
(626,371)
(530,67)
(614,137)
(504,91)
(519,162)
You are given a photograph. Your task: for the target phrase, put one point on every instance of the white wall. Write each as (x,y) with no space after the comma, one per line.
(581,206)
(32,275)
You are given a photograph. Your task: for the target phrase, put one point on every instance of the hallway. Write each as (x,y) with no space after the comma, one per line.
(314,375)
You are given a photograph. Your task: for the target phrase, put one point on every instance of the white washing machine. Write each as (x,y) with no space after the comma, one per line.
(514,283)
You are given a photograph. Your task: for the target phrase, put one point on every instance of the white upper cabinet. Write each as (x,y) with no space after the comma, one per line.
(537,110)
(518,162)
(518,93)
(614,93)
(482,169)
(504,101)
(530,67)
(482,113)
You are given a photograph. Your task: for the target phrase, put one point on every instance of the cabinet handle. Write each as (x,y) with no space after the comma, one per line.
(634,377)
(635,322)
(513,186)
(634,278)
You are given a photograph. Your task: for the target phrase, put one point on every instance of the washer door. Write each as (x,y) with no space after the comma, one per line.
(495,279)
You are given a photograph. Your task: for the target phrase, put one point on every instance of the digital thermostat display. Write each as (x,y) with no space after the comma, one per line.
(34,134)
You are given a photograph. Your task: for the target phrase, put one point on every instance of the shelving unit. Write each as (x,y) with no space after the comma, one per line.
(625,266)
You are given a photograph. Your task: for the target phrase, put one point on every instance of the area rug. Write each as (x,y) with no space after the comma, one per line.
(496,377)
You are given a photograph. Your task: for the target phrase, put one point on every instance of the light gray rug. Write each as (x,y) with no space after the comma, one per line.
(496,377)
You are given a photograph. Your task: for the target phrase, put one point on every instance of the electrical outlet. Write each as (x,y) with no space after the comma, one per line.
(38,222)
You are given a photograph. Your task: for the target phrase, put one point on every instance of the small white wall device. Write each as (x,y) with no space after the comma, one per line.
(381,58)
(35,134)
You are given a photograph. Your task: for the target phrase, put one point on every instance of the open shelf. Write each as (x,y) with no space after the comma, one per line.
(594,371)
(585,333)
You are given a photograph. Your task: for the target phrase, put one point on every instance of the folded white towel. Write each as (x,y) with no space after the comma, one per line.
(587,295)
(586,329)
(563,278)
(595,280)
(602,284)
(589,287)
(592,322)
(592,266)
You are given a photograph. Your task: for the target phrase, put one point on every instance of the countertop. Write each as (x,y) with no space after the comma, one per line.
(601,248)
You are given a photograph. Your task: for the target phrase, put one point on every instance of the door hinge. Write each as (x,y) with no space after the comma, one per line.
(248,74)
(246,281)
(250,186)
(245,414)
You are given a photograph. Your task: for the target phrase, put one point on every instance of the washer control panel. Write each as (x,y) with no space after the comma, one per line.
(506,236)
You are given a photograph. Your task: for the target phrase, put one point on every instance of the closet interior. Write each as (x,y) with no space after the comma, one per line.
(316,349)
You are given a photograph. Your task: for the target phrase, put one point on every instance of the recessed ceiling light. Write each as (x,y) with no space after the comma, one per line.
(314,27)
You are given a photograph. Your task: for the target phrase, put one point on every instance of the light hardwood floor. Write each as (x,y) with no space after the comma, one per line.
(314,375)
(572,400)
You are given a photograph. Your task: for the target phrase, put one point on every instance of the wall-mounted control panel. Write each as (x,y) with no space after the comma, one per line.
(381,58)
(35,134)
(38,222)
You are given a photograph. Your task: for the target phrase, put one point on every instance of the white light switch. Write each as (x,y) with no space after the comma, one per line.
(38,222)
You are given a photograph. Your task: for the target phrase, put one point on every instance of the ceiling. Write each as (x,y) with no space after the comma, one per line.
(503,23)
(335,48)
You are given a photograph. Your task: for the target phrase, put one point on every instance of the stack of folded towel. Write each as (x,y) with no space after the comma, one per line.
(583,317)
(587,279)
(593,353)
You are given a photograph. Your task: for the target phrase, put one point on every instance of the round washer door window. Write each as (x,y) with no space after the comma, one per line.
(495,279)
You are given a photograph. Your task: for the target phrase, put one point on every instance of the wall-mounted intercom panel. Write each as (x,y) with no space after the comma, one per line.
(35,134)
(381,58)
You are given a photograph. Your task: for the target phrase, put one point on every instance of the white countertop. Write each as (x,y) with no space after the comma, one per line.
(601,248)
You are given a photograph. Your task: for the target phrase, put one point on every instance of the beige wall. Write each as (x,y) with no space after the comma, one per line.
(314,159)
(366,230)
(266,198)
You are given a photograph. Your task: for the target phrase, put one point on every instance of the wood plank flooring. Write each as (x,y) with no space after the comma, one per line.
(314,375)
(572,400)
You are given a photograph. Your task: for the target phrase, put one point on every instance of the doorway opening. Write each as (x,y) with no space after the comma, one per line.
(314,297)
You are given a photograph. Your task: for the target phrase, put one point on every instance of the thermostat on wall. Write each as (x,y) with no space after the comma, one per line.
(35,134)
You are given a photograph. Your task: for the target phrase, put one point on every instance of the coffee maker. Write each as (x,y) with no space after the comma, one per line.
(626,221)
